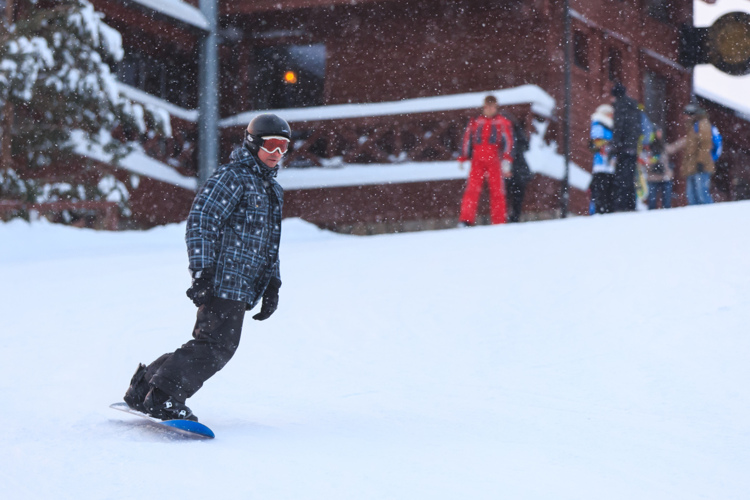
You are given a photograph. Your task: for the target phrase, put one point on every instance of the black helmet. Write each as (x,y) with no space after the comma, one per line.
(264,125)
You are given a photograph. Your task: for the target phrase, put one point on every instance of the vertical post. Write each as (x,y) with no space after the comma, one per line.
(8,112)
(565,187)
(208,93)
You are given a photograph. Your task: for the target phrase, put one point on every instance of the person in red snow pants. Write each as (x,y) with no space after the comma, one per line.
(488,142)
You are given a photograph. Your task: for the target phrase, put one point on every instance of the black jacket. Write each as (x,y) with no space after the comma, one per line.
(627,129)
(521,171)
(234,228)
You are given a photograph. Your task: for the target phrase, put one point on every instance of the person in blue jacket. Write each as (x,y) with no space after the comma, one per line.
(233,234)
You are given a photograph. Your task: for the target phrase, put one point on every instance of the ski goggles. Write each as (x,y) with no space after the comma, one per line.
(273,143)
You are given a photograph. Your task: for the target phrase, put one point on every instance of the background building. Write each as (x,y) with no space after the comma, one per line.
(368,83)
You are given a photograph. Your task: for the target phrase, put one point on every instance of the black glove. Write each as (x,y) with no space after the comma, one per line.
(270,300)
(202,289)
(700,168)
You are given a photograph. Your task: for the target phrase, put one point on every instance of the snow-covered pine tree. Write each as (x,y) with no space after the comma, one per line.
(58,95)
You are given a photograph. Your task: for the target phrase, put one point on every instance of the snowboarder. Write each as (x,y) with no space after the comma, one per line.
(488,142)
(233,234)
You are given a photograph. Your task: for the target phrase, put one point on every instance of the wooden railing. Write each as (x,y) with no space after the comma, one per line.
(178,151)
(419,129)
(433,137)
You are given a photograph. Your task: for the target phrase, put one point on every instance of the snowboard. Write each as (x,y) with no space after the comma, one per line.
(187,428)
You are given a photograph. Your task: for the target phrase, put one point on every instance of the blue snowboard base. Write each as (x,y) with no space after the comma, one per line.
(186,428)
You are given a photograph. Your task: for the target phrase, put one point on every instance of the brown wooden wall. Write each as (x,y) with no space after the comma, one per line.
(386,50)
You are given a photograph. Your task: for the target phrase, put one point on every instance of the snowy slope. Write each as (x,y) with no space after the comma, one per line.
(602,357)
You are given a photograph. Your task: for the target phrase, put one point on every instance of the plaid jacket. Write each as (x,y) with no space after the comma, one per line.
(234,227)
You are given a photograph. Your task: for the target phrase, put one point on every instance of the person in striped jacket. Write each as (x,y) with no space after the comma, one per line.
(488,143)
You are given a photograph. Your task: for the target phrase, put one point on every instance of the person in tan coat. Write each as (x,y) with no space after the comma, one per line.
(697,162)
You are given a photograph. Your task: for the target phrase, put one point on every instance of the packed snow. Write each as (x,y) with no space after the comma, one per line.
(589,358)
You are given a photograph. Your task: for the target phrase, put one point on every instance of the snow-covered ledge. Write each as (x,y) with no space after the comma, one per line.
(542,158)
(136,162)
(541,103)
(138,95)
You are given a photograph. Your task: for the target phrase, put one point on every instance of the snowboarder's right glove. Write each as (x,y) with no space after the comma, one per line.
(202,289)
(270,300)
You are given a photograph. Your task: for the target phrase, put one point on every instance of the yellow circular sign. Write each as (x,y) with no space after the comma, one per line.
(729,43)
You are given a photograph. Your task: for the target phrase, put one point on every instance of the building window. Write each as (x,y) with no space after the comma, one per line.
(661,10)
(288,76)
(581,50)
(655,97)
(614,64)
(172,78)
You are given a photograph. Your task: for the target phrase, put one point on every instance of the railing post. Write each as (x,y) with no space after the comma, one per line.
(565,188)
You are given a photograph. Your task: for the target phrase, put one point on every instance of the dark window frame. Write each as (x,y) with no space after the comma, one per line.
(581,50)
(660,10)
(656,97)
(614,64)
(167,77)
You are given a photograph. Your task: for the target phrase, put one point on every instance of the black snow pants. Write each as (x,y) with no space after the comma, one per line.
(515,188)
(624,198)
(216,337)
(603,192)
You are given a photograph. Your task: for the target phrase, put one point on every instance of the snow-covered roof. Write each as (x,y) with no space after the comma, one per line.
(709,82)
(541,103)
(178,9)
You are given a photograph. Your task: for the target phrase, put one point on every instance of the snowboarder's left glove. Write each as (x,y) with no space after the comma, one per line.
(270,300)
(202,289)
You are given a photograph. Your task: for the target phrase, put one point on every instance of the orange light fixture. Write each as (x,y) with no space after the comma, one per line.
(290,77)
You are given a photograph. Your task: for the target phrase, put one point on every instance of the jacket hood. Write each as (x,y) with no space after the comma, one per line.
(604,114)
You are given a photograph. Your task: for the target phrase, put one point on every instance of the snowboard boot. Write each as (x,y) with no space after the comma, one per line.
(161,405)
(138,389)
